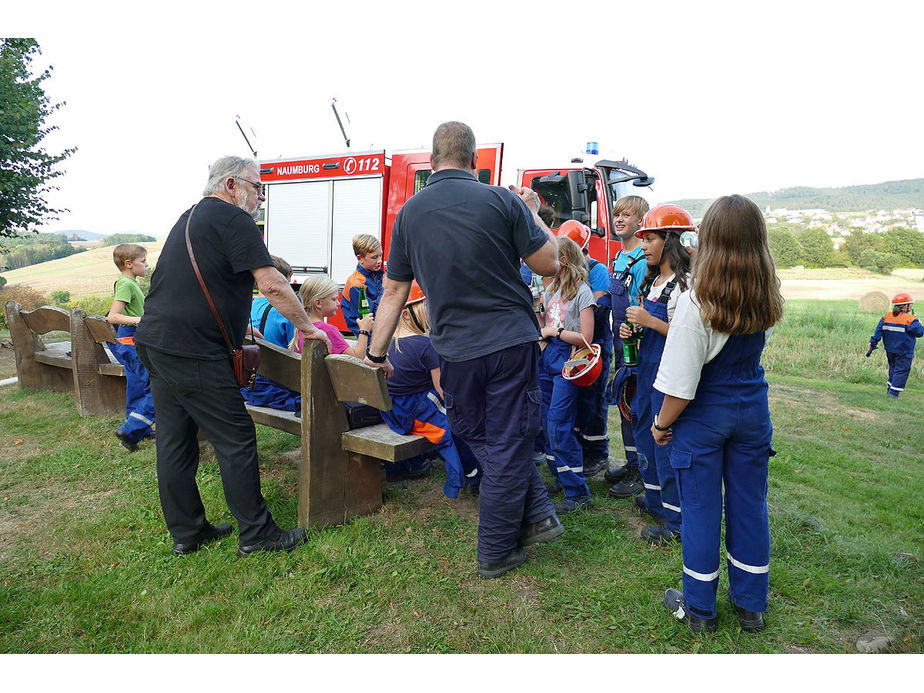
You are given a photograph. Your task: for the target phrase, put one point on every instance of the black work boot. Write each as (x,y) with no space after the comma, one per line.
(677,606)
(631,485)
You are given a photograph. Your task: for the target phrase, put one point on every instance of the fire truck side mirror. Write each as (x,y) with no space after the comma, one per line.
(577,191)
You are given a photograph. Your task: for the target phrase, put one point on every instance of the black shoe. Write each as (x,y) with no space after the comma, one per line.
(471,489)
(631,485)
(493,569)
(661,534)
(594,467)
(151,435)
(285,541)
(544,530)
(126,442)
(554,487)
(677,606)
(643,508)
(416,471)
(750,621)
(207,534)
(573,505)
(615,474)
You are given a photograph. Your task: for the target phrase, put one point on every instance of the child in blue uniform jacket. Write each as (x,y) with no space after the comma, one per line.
(898,329)
(368,276)
(717,417)
(417,398)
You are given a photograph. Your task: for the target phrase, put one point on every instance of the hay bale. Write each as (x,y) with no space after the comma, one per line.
(874,302)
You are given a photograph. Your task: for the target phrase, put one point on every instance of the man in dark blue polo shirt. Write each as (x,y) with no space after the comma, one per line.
(462,241)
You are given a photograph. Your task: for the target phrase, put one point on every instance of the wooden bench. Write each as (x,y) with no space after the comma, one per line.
(82,365)
(340,472)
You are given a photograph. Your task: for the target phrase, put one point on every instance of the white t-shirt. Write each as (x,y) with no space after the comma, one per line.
(655,293)
(690,345)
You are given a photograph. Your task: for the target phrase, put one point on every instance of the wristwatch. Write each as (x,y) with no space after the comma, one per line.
(376,359)
(560,330)
(658,428)
(366,332)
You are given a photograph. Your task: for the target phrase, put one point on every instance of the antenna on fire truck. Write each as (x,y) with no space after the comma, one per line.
(237,121)
(333,105)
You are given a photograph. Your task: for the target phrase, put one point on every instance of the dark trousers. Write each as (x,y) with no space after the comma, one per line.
(493,404)
(192,395)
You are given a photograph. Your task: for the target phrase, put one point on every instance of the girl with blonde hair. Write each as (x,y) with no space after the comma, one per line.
(568,323)
(319,294)
(716,414)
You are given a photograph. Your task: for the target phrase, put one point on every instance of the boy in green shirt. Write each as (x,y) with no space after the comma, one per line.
(127,309)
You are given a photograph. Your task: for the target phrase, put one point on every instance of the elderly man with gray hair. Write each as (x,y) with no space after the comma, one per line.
(192,381)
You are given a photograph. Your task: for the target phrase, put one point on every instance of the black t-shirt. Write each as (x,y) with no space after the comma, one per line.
(227,245)
(463,240)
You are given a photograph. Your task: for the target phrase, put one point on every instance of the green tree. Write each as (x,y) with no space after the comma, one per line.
(859,242)
(816,247)
(784,247)
(26,169)
(907,244)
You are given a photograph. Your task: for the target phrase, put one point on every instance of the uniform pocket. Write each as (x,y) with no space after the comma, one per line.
(682,464)
(532,413)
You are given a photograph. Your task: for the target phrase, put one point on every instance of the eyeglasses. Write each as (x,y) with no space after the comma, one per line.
(259,187)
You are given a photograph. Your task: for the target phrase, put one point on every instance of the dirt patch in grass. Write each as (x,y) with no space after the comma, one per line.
(47,507)
(800,398)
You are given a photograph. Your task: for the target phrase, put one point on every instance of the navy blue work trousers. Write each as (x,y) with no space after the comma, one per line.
(493,404)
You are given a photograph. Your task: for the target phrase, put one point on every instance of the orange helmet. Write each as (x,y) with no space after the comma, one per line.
(902,298)
(667,218)
(576,231)
(416,294)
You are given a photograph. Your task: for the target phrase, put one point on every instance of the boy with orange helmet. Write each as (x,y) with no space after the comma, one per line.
(898,329)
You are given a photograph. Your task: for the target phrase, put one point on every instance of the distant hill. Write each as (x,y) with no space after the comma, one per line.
(895,194)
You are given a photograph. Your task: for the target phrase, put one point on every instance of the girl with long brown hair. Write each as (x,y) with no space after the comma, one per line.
(715,413)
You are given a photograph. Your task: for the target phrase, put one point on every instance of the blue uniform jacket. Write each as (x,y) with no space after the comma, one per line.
(898,333)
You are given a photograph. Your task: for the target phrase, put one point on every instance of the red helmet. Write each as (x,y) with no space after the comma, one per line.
(416,294)
(902,298)
(576,231)
(667,218)
(584,366)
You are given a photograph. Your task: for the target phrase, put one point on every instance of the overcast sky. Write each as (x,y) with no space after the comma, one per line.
(708,97)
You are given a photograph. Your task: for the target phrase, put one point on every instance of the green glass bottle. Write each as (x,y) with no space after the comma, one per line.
(630,346)
(363,303)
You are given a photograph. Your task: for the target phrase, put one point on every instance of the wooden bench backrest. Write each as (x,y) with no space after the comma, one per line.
(354,381)
(99,384)
(26,326)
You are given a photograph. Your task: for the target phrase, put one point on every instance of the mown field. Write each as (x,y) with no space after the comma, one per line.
(86,566)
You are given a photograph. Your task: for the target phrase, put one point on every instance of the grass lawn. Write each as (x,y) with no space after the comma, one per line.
(86,566)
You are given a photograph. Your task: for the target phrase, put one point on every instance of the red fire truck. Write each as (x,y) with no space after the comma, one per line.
(316,204)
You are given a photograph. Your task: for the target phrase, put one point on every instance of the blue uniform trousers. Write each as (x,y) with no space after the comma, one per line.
(493,404)
(424,414)
(723,438)
(139,406)
(899,368)
(661,494)
(267,393)
(559,409)
(593,410)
